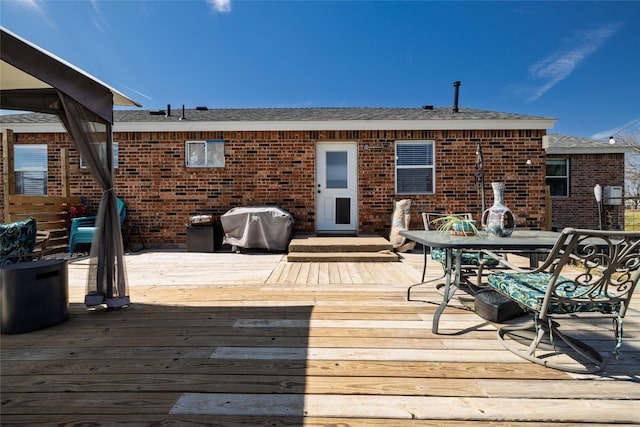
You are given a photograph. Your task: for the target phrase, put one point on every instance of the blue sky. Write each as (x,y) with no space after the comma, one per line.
(576,61)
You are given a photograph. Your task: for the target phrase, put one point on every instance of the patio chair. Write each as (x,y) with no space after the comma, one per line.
(21,241)
(473,263)
(603,268)
(83,228)
(470,260)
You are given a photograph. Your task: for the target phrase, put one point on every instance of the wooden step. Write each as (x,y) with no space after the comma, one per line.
(339,244)
(383,256)
(341,249)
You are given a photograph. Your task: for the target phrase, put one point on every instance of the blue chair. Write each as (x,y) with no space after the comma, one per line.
(83,228)
(602,271)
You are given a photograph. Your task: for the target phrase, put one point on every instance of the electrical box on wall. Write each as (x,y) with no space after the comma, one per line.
(612,195)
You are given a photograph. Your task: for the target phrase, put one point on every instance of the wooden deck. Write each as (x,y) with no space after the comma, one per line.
(250,340)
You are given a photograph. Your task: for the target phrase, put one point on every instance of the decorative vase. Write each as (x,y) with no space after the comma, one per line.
(498,220)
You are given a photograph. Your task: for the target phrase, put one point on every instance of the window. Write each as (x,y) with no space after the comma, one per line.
(558,177)
(30,167)
(205,154)
(414,167)
(103,153)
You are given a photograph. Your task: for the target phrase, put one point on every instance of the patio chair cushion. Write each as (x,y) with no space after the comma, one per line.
(17,239)
(468,258)
(528,290)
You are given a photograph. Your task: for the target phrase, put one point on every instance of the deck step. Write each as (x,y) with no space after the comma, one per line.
(384,256)
(339,244)
(341,249)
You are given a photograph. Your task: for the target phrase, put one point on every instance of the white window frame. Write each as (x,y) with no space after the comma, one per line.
(103,153)
(33,169)
(429,167)
(192,161)
(559,177)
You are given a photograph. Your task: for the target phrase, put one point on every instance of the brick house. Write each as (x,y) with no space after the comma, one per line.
(337,170)
(578,164)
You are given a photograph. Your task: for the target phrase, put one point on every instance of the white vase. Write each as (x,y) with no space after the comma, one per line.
(498,220)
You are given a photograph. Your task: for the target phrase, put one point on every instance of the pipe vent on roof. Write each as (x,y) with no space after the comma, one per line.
(456,85)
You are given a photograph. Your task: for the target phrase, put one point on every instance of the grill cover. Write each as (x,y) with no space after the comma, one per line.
(265,227)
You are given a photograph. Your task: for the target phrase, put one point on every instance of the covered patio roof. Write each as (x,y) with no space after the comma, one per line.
(32,79)
(29,77)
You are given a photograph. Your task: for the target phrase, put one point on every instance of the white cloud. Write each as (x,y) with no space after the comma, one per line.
(559,65)
(220,5)
(96,17)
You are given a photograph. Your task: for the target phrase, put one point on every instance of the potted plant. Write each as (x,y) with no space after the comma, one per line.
(456,224)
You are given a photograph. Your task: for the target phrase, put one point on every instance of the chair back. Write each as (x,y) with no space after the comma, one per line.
(607,270)
(17,239)
(122,211)
(428,217)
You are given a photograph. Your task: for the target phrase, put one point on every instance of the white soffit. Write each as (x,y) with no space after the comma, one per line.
(302,125)
(13,78)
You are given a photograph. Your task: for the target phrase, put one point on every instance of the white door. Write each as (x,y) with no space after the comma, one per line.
(336,187)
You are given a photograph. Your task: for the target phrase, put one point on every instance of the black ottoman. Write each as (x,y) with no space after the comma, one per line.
(34,295)
(494,306)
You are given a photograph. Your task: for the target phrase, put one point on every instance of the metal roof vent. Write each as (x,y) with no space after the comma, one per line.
(456,85)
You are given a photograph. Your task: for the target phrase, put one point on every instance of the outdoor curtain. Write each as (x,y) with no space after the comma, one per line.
(107,279)
(34,80)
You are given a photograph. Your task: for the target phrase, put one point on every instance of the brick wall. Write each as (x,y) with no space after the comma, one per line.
(278,168)
(580,208)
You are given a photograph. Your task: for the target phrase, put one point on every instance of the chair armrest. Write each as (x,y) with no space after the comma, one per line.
(83,221)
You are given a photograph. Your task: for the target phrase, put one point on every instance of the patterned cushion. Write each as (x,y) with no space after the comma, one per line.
(17,239)
(528,290)
(468,258)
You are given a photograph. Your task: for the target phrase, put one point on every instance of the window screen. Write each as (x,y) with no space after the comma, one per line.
(414,167)
(30,168)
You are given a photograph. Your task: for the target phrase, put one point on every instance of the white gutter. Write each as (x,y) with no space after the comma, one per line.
(299,125)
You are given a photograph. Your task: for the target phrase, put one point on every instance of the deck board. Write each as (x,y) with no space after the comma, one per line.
(251,340)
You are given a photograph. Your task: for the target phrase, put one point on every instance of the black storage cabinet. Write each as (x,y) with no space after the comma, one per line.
(35,295)
(204,237)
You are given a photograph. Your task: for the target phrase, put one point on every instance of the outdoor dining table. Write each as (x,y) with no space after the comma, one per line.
(454,245)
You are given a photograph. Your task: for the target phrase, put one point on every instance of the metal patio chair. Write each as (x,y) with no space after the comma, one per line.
(588,274)
(473,262)
(83,228)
